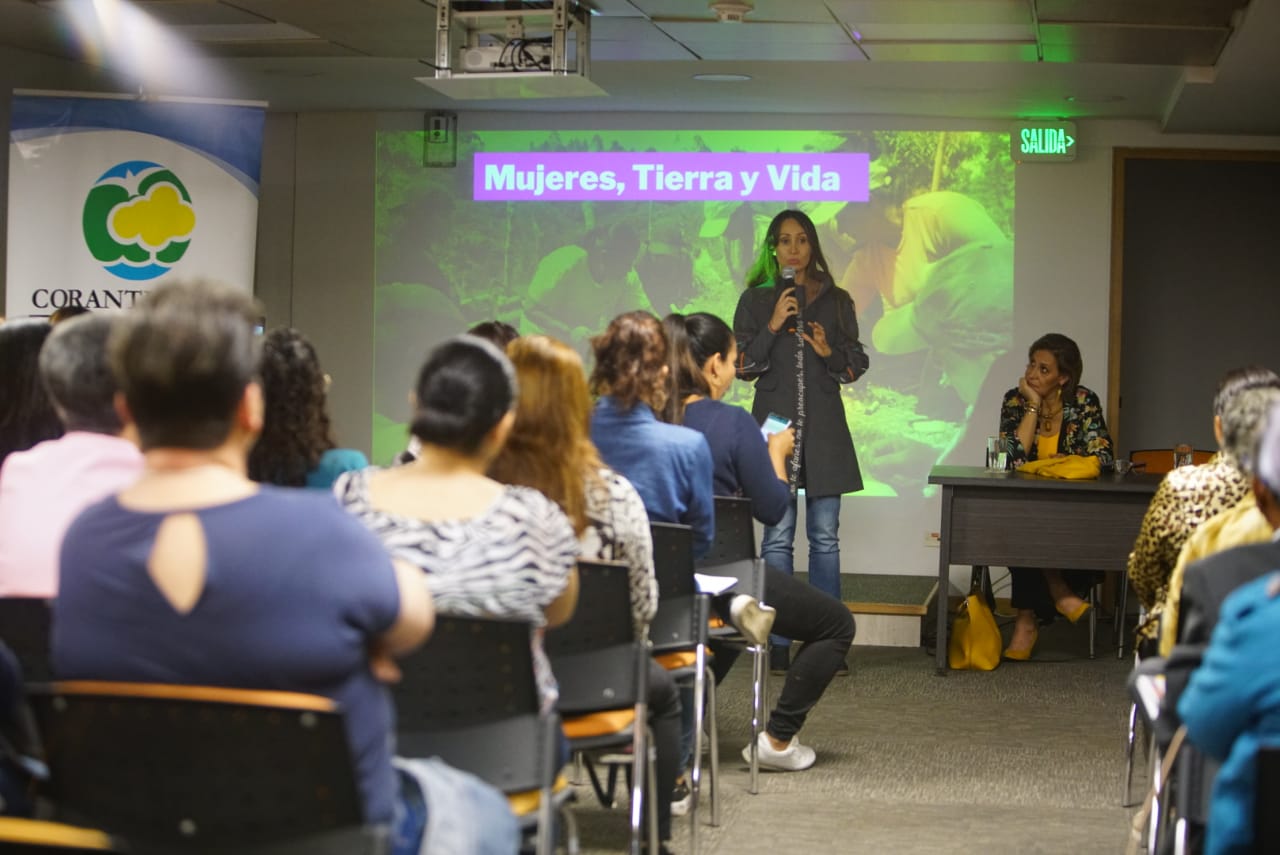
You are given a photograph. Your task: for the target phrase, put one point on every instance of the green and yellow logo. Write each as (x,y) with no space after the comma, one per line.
(138,220)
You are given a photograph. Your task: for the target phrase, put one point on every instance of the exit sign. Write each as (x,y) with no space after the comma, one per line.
(1043,141)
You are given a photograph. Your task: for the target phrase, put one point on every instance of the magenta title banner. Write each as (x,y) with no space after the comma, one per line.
(669,177)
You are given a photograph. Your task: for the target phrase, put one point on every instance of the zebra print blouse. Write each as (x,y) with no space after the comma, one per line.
(510,561)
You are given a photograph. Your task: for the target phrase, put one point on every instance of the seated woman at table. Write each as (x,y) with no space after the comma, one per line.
(1050,414)
(704,354)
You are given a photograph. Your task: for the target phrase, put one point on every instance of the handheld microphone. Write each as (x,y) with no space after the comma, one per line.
(788,277)
(789,281)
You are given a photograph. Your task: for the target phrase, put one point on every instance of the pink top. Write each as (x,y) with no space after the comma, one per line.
(42,490)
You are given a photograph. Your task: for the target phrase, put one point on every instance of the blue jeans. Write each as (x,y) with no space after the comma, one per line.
(822,526)
(442,811)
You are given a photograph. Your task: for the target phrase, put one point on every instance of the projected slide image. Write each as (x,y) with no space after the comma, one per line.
(558,232)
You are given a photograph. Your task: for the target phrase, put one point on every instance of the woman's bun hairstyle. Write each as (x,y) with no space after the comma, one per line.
(464,388)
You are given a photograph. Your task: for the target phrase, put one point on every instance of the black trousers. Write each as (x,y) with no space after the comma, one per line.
(1029,590)
(805,614)
(664,721)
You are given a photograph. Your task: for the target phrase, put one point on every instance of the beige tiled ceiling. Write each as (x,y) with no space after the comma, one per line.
(982,59)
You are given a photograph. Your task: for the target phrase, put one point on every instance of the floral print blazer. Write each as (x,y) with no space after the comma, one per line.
(1083,432)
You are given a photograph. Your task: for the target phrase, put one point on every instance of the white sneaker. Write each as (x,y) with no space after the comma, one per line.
(751,618)
(794,758)
(681,798)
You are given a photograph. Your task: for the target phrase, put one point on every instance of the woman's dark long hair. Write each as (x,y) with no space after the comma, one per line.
(26,412)
(692,340)
(296,430)
(765,269)
(464,389)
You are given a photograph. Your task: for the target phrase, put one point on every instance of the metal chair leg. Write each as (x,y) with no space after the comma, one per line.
(713,735)
(699,717)
(639,759)
(759,689)
(572,844)
(651,776)
(1121,616)
(1130,740)
(1093,622)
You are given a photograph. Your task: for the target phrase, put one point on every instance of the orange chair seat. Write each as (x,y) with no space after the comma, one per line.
(599,723)
(34,832)
(526,802)
(677,660)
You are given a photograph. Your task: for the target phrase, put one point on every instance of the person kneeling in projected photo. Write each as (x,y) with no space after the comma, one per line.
(798,340)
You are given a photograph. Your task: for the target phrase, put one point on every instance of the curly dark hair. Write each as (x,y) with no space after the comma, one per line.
(295,428)
(26,412)
(630,357)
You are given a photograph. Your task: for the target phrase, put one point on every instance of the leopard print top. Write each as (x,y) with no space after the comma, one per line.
(1186,497)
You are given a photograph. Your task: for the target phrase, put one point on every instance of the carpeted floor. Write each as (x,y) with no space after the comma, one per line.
(1025,759)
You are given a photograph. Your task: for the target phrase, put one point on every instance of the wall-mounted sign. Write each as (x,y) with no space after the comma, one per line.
(1043,141)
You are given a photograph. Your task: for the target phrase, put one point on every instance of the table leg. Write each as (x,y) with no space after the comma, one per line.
(944,579)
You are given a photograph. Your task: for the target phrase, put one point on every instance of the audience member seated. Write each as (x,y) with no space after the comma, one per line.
(1188,496)
(498,333)
(704,356)
(1208,582)
(1243,421)
(197,575)
(45,487)
(501,334)
(1232,706)
(297,448)
(550,451)
(669,465)
(26,413)
(1050,414)
(486,549)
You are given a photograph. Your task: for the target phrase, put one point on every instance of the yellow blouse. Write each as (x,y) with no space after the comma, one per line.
(1046,446)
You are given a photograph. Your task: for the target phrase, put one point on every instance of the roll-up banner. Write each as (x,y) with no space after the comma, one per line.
(111,195)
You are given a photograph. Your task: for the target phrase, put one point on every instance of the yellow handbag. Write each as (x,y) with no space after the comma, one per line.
(1073,467)
(975,642)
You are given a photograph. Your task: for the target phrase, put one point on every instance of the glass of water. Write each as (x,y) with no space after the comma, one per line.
(997,453)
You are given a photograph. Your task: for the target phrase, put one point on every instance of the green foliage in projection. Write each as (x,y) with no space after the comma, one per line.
(444,262)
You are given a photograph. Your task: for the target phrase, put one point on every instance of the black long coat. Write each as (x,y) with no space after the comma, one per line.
(830,462)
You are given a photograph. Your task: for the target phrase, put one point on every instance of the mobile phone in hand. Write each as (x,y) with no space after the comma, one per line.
(773,424)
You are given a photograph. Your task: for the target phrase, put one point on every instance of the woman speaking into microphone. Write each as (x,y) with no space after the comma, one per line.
(797,338)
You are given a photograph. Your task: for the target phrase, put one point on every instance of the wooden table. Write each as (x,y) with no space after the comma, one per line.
(1010,519)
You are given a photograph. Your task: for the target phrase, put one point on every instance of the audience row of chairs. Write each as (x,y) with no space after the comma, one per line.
(272,769)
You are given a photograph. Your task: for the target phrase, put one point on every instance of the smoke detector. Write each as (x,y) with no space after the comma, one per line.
(730,12)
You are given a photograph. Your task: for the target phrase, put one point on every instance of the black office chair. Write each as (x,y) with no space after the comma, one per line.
(733,553)
(24,628)
(195,769)
(679,636)
(602,671)
(1266,822)
(469,697)
(735,537)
